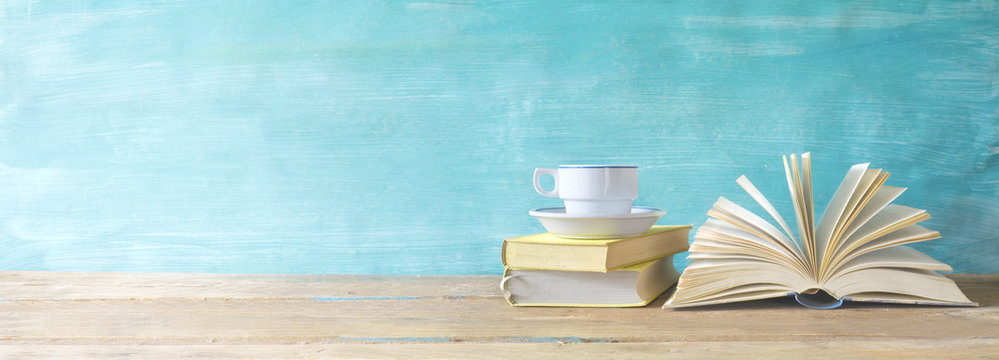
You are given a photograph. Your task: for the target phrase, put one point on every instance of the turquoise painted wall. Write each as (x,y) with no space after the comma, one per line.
(399,137)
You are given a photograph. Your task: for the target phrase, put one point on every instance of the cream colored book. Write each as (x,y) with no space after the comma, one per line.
(634,285)
(549,252)
(851,253)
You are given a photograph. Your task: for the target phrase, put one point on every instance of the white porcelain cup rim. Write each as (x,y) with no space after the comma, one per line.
(597,166)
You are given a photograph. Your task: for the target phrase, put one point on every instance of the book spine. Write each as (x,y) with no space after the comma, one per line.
(503,253)
(810,301)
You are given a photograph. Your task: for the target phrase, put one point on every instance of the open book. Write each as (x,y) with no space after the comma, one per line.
(852,253)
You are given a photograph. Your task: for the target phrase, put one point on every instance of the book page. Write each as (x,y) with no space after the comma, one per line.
(894,298)
(711,244)
(856,208)
(884,196)
(713,250)
(892,218)
(744,293)
(906,235)
(738,216)
(735,296)
(787,241)
(707,277)
(836,207)
(806,194)
(662,275)
(716,250)
(920,283)
(801,212)
(726,231)
(719,236)
(866,187)
(896,257)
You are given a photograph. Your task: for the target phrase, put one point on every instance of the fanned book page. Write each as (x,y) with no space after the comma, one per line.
(852,252)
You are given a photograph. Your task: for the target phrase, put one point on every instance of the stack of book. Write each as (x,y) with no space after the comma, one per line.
(547,270)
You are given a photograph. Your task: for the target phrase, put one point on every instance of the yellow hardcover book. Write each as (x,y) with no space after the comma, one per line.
(630,286)
(549,252)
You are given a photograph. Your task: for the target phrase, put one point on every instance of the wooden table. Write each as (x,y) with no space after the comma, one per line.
(115,315)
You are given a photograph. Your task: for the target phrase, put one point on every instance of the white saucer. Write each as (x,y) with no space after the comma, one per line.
(557,222)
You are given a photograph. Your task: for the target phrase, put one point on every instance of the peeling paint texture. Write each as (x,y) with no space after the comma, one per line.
(399,137)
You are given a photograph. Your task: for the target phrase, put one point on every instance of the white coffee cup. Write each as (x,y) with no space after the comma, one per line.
(592,189)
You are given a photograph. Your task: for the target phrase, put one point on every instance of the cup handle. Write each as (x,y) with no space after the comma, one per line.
(537,182)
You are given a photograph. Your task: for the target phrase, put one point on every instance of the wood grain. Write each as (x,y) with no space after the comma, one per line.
(845,350)
(261,316)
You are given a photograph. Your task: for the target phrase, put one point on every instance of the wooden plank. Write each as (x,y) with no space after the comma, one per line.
(169,321)
(47,314)
(167,309)
(28,285)
(846,350)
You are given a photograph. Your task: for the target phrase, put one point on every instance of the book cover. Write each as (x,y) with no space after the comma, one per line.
(631,286)
(548,252)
